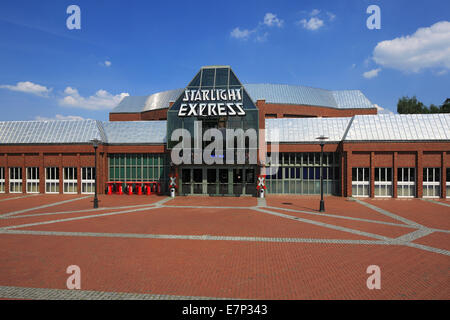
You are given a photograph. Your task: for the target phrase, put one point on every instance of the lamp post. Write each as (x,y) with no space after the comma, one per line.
(95,143)
(322,143)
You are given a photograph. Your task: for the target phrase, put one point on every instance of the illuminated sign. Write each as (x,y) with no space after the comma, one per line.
(211,102)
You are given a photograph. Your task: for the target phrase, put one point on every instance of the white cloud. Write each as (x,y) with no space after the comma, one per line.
(244,34)
(263,37)
(59,117)
(427,48)
(331,16)
(100,101)
(371,74)
(107,63)
(314,12)
(28,87)
(271,20)
(381,110)
(311,24)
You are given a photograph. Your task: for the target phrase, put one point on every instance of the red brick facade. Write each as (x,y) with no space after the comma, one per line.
(368,154)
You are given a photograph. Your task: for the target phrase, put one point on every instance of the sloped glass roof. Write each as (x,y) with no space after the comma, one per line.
(52,131)
(305,130)
(135,132)
(271,93)
(400,127)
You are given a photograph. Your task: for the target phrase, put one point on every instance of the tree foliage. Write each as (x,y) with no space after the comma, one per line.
(407,105)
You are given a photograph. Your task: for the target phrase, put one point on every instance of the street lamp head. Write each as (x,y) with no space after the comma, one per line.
(95,142)
(322,138)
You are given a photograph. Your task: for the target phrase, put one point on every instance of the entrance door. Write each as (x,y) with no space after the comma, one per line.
(250,181)
(198,181)
(223,181)
(211,178)
(238,181)
(186,181)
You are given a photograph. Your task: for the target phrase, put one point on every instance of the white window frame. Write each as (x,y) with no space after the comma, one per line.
(70,181)
(2,180)
(407,182)
(52,183)
(432,184)
(32,181)
(88,184)
(14,180)
(361,183)
(383,184)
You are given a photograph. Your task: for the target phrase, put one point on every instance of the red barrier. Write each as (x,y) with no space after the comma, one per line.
(129,188)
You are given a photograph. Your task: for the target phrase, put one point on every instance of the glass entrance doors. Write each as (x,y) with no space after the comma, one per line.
(218,180)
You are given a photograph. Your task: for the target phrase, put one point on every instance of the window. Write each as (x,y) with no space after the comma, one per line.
(70,180)
(406,182)
(15,180)
(299,173)
(448,183)
(52,180)
(360,182)
(431,182)
(33,180)
(2,180)
(88,180)
(383,182)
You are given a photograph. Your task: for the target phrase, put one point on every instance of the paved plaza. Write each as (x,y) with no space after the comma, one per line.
(281,247)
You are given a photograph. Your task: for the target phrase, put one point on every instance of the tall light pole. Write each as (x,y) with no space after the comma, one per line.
(95,143)
(322,143)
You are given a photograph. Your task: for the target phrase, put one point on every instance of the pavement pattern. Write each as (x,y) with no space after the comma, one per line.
(281,247)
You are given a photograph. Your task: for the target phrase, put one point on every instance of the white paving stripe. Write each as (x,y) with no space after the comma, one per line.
(65,294)
(326,225)
(395,242)
(42,207)
(77,211)
(345,217)
(436,202)
(389,214)
(14,198)
(76,218)
(190,237)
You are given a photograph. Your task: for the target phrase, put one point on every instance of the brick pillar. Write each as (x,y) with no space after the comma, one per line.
(41,173)
(372,175)
(348,175)
(24,174)
(78,173)
(394,175)
(443,176)
(104,177)
(61,174)
(342,173)
(6,174)
(419,168)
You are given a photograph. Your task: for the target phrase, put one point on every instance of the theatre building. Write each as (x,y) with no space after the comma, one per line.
(365,154)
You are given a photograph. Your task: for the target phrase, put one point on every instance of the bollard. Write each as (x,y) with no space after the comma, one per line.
(172,192)
(261,193)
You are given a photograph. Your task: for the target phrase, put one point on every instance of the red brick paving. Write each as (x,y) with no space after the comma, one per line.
(224,268)
(436,239)
(380,229)
(26,220)
(187,221)
(333,205)
(256,270)
(33,201)
(213,201)
(424,212)
(105,201)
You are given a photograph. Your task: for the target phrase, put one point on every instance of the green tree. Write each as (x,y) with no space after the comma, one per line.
(407,105)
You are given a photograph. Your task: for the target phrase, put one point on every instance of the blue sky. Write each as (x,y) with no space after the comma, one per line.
(141,47)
